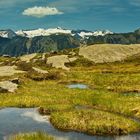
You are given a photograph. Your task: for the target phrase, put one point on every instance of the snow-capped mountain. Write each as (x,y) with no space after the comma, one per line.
(81,34)
(42,32)
(46,32)
(102,33)
(7,33)
(86,34)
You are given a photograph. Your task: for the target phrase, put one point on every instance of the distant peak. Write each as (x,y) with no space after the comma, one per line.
(7,33)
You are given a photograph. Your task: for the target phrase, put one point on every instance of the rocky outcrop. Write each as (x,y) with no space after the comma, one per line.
(59,61)
(104,53)
(9,70)
(8,86)
(28,58)
(40,70)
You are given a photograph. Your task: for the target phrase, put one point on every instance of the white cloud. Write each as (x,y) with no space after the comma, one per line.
(41,11)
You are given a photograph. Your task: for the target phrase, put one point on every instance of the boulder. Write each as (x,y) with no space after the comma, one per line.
(8,86)
(9,70)
(28,58)
(59,61)
(40,70)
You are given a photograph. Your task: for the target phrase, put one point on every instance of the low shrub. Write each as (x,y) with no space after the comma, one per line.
(41,76)
(80,62)
(24,66)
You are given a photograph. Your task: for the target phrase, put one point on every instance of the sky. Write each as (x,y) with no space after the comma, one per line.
(114,15)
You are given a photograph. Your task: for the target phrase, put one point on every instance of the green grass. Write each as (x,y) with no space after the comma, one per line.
(32,136)
(94,122)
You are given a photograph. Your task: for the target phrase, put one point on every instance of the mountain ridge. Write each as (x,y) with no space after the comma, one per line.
(50,31)
(57,39)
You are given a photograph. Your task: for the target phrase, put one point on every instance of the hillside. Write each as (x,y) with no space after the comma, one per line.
(104,53)
(22,45)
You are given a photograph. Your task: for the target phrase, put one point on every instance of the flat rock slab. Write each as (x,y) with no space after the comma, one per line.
(9,70)
(59,61)
(40,70)
(27,58)
(103,53)
(9,86)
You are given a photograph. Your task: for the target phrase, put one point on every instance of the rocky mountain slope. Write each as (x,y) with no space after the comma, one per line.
(23,45)
(116,38)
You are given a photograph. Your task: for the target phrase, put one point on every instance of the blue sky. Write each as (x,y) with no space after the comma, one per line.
(115,15)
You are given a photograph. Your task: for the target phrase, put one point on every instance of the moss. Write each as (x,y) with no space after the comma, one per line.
(94,122)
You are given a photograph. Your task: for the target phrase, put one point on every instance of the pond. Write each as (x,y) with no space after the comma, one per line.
(78,85)
(14,120)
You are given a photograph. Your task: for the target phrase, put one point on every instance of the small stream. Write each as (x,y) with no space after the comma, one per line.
(15,120)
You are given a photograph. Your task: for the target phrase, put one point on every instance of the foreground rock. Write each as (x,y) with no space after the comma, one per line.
(40,70)
(28,58)
(109,52)
(9,70)
(8,86)
(59,61)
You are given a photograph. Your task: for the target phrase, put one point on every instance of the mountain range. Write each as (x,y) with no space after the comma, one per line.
(47,32)
(47,40)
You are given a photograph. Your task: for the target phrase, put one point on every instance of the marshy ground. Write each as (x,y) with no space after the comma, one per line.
(109,106)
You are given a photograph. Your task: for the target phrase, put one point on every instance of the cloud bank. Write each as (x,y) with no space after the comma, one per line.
(40,12)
